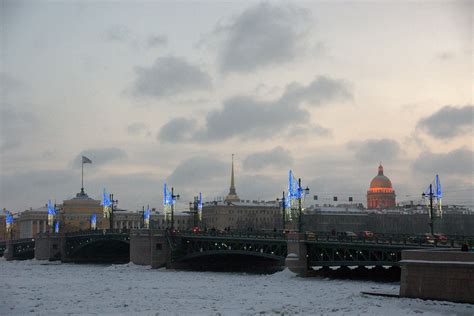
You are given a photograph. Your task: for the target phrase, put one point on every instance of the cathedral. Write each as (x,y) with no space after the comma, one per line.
(380,194)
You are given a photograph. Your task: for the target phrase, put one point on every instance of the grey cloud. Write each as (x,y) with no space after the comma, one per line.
(157,40)
(375,150)
(100,156)
(449,122)
(445,55)
(459,162)
(259,187)
(198,170)
(16,127)
(178,129)
(246,117)
(262,35)
(309,130)
(169,76)
(137,129)
(20,188)
(249,118)
(277,157)
(322,89)
(8,83)
(118,33)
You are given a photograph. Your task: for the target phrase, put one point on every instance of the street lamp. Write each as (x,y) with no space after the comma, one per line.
(283,210)
(173,198)
(300,210)
(112,204)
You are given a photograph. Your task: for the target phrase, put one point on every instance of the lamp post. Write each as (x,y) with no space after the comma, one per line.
(112,203)
(431,223)
(173,198)
(283,211)
(193,209)
(300,210)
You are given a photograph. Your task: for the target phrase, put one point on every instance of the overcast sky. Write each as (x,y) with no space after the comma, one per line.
(168,91)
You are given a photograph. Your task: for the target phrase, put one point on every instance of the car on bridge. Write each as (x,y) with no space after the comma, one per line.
(347,235)
(366,234)
(441,238)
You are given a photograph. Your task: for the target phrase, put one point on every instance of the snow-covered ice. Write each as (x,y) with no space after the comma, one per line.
(49,288)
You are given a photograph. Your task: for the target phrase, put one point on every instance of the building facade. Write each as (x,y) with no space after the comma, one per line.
(242,216)
(380,194)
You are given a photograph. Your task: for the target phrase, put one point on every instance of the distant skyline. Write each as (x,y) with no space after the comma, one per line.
(160,91)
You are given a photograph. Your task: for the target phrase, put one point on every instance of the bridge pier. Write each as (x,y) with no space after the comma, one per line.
(151,248)
(49,247)
(8,254)
(438,274)
(296,259)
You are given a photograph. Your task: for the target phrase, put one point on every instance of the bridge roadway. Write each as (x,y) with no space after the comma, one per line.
(176,249)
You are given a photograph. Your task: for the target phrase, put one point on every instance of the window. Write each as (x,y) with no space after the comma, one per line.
(159,247)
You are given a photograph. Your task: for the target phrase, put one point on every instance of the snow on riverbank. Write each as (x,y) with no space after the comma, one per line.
(41,287)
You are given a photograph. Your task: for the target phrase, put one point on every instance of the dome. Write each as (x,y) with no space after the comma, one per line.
(380,181)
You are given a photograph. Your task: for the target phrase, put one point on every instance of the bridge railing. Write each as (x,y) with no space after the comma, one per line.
(234,234)
(394,239)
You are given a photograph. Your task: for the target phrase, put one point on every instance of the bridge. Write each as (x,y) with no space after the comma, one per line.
(20,249)
(214,250)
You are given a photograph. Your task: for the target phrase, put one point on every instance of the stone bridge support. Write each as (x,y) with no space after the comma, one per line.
(438,274)
(50,247)
(151,248)
(297,260)
(8,254)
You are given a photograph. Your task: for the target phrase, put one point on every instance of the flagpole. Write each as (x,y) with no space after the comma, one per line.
(82,177)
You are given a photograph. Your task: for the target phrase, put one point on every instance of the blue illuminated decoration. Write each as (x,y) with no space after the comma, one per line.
(9,220)
(56,227)
(146,217)
(167,197)
(295,192)
(93,222)
(51,213)
(107,204)
(434,190)
(200,207)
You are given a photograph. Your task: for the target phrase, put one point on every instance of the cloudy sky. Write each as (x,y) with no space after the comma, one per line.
(167,91)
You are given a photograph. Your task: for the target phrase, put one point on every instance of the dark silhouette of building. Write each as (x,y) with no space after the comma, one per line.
(380,194)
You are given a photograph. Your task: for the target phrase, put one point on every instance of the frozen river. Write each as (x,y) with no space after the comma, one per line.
(40,287)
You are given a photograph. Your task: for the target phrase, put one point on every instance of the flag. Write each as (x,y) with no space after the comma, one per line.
(86,160)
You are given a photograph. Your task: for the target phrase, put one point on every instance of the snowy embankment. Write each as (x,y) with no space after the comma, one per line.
(41,287)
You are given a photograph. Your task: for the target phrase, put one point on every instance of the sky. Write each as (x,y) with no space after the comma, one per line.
(159,91)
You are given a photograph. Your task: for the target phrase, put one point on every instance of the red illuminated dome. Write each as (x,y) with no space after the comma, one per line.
(380,194)
(380,181)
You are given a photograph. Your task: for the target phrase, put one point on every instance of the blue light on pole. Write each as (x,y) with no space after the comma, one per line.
(93,222)
(9,220)
(107,204)
(51,213)
(200,207)
(146,218)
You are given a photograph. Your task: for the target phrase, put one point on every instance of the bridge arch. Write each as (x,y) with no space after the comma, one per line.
(98,249)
